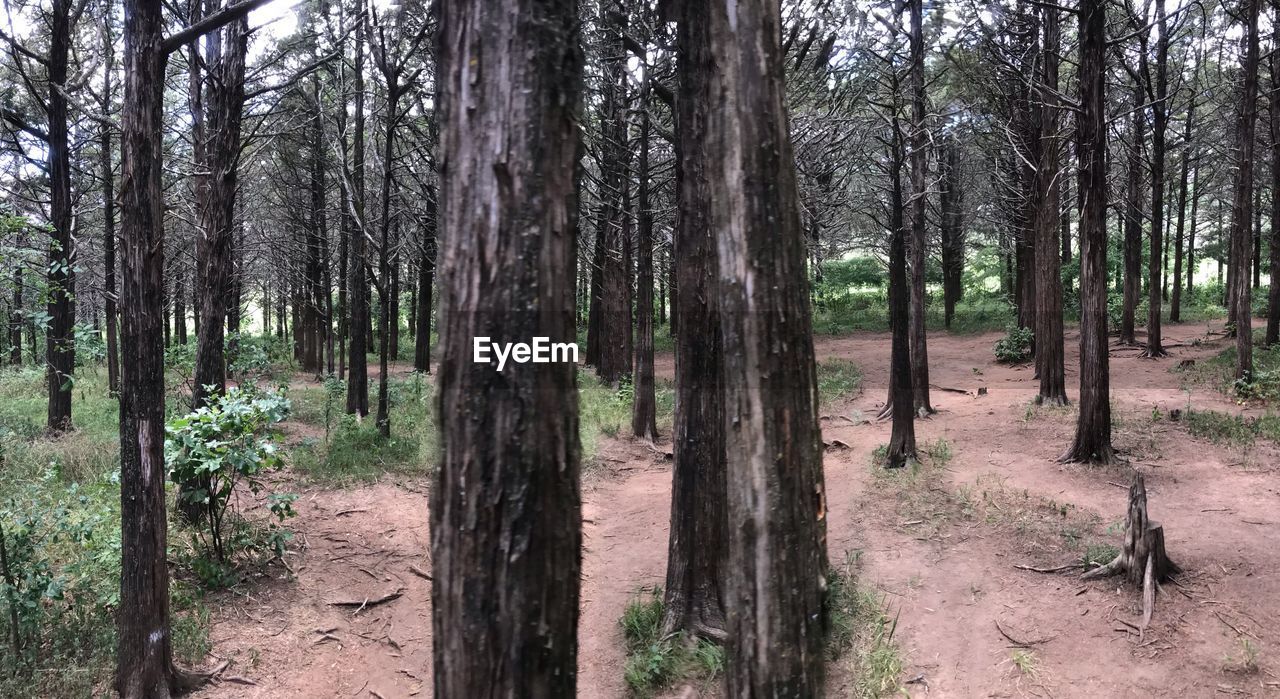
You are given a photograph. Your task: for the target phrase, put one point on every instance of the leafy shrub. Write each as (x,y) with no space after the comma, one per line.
(220,447)
(655,662)
(1015,346)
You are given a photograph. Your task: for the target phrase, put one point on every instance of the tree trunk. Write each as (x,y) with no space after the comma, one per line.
(951,202)
(15,318)
(60,333)
(1133,220)
(1188,154)
(775,597)
(615,284)
(644,405)
(1243,209)
(902,439)
(1273,296)
(143,656)
(1159,127)
(919,238)
(1048,332)
(698,540)
(223,102)
(505,510)
(426,279)
(109,230)
(1092,442)
(358,288)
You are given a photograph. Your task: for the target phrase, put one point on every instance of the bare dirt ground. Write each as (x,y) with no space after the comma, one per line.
(942,549)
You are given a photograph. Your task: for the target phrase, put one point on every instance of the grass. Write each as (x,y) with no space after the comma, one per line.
(1225,428)
(837,379)
(355,451)
(655,662)
(1218,372)
(860,630)
(606,410)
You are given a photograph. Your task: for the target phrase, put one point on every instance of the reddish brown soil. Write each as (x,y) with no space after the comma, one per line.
(946,571)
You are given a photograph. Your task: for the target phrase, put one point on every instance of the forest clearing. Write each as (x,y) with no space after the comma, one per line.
(764,349)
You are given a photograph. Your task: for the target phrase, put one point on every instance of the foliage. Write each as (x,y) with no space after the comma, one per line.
(656,662)
(1015,346)
(221,446)
(837,379)
(860,628)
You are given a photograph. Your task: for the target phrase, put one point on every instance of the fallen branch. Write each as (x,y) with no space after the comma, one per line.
(420,572)
(351,512)
(1022,644)
(1057,569)
(368,601)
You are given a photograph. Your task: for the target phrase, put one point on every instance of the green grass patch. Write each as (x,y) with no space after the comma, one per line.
(838,379)
(606,410)
(655,662)
(860,630)
(1225,428)
(353,449)
(1219,372)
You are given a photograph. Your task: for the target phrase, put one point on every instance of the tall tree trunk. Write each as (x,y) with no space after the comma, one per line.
(951,202)
(1191,226)
(1092,442)
(1159,127)
(426,279)
(1243,209)
(919,238)
(1188,154)
(775,597)
(357,286)
(15,317)
(698,539)
(615,283)
(506,510)
(144,667)
(60,333)
(1133,219)
(223,102)
(109,226)
(902,438)
(644,406)
(1048,332)
(1273,296)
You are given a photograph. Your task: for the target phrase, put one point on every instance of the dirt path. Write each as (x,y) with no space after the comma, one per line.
(949,577)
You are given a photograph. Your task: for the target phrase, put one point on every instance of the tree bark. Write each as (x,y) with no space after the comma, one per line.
(1243,205)
(357,286)
(1092,442)
(1048,332)
(615,283)
(776,504)
(951,202)
(1188,154)
(506,510)
(698,540)
(1159,127)
(109,226)
(1133,219)
(143,655)
(919,238)
(60,334)
(1273,296)
(426,280)
(644,403)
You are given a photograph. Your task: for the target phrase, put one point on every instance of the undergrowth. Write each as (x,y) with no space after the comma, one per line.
(656,662)
(860,631)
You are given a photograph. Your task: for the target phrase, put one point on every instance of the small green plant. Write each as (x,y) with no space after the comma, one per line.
(1015,346)
(837,379)
(1025,661)
(859,627)
(222,446)
(656,662)
(334,391)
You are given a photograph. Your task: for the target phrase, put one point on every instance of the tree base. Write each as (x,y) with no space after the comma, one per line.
(1142,560)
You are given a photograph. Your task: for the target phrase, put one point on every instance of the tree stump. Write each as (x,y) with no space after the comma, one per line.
(1142,558)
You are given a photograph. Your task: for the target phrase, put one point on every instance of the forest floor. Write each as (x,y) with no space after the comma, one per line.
(939,543)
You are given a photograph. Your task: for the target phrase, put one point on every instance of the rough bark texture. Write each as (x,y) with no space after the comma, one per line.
(1188,154)
(426,281)
(1092,442)
(902,439)
(1243,206)
(951,202)
(1048,331)
(357,286)
(109,234)
(919,239)
(1159,127)
(776,503)
(505,510)
(215,202)
(60,360)
(615,283)
(1273,297)
(143,656)
(644,423)
(1133,219)
(698,539)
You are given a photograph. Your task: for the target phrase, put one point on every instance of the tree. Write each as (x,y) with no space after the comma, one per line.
(1159,127)
(776,504)
(1273,298)
(1092,442)
(505,510)
(1048,331)
(1242,209)
(644,407)
(614,359)
(698,540)
(1133,217)
(919,238)
(357,284)
(951,203)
